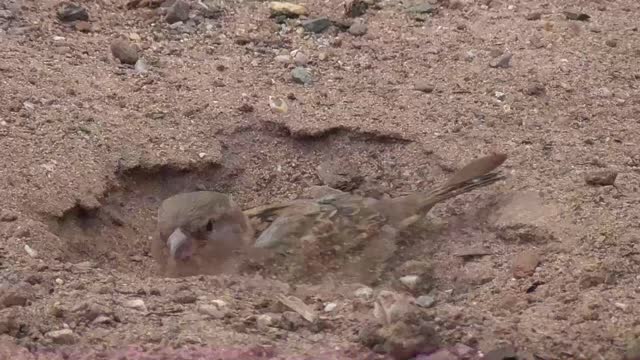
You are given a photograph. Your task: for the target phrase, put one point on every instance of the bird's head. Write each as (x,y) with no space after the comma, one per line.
(224,231)
(201,221)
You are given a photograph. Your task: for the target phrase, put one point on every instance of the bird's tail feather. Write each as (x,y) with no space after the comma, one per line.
(476,174)
(448,191)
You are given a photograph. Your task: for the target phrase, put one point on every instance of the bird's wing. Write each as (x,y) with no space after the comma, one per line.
(279,231)
(265,212)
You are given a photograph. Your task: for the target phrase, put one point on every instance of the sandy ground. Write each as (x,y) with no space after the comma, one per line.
(91,146)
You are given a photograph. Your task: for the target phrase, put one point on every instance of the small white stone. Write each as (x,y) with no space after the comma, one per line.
(62,337)
(329,307)
(283,59)
(101,319)
(202,155)
(621,306)
(137,304)
(141,66)
(425,301)
(364,292)
(264,321)
(219,303)
(59,281)
(29,106)
(211,311)
(410,281)
(30,251)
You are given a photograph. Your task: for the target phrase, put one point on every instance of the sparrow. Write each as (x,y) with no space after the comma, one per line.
(350,236)
(199,232)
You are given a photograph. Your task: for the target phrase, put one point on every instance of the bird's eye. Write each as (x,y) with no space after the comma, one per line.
(209,225)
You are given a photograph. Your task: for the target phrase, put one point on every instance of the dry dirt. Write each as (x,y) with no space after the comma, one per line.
(91,146)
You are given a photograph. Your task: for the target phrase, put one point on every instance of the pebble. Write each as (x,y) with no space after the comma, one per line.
(124,51)
(299,58)
(425,8)
(329,307)
(84,265)
(358,28)
(524,264)
(410,281)
(72,12)
(611,43)
(141,66)
(101,319)
(246,108)
(286,9)
(364,292)
(62,337)
(576,16)
(30,251)
(525,217)
(137,304)
(424,86)
(425,301)
(535,89)
(8,216)
(470,55)
(278,105)
(284,59)
(503,61)
(621,306)
(533,15)
(6,14)
(15,295)
(83,26)
(221,304)
(185,298)
(263,321)
(212,311)
(317,25)
(421,12)
(179,11)
(301,75)
(601,178)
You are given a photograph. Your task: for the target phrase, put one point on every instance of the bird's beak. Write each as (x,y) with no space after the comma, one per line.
(180,245)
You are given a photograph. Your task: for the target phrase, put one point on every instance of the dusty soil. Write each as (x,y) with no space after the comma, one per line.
(91,146)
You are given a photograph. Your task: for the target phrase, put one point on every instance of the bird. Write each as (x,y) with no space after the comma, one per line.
(199,233)
(351,236)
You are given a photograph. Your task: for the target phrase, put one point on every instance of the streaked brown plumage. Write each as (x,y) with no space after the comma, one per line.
(354,236)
